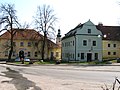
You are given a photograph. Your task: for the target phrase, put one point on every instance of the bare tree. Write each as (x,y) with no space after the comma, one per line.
(25,25)
(8,20)
(44,21)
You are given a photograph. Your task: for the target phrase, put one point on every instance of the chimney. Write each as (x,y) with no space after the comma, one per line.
(100,24)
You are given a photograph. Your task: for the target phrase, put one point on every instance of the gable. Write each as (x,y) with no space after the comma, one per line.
(82,29)
(88,29)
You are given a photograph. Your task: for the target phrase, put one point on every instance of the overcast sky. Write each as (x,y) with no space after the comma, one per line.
(71,12)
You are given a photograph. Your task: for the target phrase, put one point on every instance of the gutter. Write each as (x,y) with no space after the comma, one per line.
(75,46)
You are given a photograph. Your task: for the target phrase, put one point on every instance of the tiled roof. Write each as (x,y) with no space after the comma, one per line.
(52,45)
(110,32)
(73,31)
(22,34)
(26,34)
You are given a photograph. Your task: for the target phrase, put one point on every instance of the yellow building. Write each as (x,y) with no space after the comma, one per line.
(111,41)
(29,41)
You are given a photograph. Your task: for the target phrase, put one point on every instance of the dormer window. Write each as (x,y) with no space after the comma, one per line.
(89,30)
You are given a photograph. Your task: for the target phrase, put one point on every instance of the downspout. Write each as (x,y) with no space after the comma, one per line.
(75,47)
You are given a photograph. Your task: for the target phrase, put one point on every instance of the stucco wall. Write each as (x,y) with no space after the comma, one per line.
(111,49)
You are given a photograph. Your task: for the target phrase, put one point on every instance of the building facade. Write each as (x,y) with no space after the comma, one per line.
(83,43)
(30,42)
(111,41)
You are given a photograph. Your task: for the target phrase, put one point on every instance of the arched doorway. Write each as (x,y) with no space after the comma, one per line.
(21,54)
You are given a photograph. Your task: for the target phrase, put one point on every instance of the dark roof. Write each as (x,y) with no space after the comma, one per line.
(111,32)
(72,32)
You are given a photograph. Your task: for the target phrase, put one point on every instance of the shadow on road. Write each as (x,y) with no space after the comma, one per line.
(20,82)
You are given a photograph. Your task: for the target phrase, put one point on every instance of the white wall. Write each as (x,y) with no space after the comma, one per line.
(69,48)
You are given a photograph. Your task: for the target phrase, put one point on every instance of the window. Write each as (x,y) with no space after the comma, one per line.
(109,53)
(36,54)
(89,30)
(28,54)
(96,56)
(78,55)
(36,44)
(84,42)
(62,54)
(57,54)
(73,56)
(114,45)
(6,53)
(21,44)
(94,43)
(114,53)
(108,45)
(52,54)
(70,55)
(29,44)
(73,43)
(82,55)
(62,44)
(69,43)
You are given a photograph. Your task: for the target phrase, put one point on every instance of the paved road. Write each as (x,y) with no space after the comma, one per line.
(59,77)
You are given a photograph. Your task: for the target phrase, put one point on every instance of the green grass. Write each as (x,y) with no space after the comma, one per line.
(80,63)
(37,62)
(21,63)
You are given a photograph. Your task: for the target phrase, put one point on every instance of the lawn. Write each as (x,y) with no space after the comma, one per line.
(80,63)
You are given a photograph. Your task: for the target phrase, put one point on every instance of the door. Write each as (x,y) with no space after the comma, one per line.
(21,54)
(52,55)
(89,57)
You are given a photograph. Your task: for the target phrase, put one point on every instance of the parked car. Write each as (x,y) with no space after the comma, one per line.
(118,60)
(17,59)
(25,59)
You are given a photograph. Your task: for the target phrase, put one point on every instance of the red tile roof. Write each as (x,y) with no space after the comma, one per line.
(27,34)
(22,34)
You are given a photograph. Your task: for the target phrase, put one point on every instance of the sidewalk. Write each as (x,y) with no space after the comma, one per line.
(2,62)
(115,67)
(62,64)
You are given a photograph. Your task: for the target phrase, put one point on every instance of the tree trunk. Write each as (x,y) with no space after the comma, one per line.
(11,48)
(11,43)
(43,46)
(10,54)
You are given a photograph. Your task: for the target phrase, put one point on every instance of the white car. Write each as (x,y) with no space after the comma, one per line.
(25,59)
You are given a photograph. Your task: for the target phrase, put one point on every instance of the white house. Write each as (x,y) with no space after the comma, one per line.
(83,43)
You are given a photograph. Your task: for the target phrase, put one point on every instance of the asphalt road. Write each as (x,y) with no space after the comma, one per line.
(68,75)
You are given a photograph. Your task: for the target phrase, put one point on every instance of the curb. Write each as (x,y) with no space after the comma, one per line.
(2,62)
(82,69)
(16,64)
(60,64)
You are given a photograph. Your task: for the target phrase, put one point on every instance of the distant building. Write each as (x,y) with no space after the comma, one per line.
(30,42)
(111,41)
(57,49)
(83,43)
